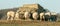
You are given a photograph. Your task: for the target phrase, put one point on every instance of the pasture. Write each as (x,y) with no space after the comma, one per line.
(28,23)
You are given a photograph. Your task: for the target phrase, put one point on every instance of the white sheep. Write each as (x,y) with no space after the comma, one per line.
(42,16)
(16,16)
(27,15)
(10,14)
(35,15)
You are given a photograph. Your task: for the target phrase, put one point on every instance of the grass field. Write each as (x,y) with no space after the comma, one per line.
(29,23)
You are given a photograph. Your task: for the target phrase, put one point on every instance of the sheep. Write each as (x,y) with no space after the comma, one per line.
(35,15)
(27,15)
(10,14)
(42,16)
(47,16)
(53,16)
(16,16)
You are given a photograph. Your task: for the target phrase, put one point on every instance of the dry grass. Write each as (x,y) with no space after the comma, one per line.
(28,23)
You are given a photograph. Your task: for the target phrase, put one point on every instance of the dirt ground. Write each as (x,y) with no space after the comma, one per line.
(28,23)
